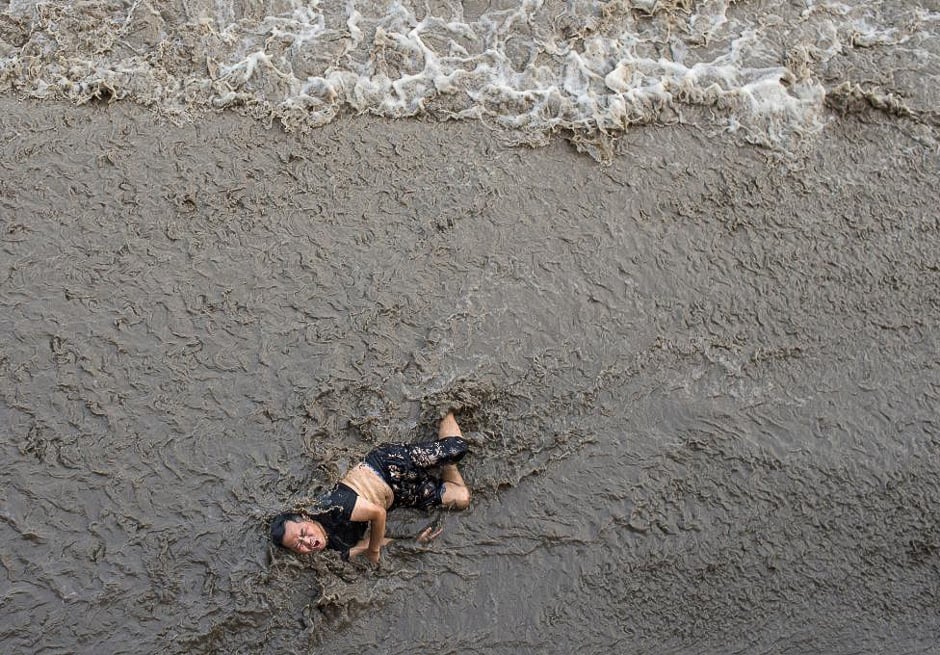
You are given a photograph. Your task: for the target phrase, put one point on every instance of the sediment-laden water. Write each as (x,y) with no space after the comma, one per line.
(585,68)
(700,379)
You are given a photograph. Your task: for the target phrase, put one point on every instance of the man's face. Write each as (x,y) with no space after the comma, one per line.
(304,536)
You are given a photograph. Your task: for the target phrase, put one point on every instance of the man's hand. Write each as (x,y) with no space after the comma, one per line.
(429,534)
(362,548)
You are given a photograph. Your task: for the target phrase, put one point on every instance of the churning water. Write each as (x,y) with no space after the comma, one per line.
(701,379)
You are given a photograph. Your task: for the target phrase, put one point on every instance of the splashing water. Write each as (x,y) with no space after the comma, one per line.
(533,68)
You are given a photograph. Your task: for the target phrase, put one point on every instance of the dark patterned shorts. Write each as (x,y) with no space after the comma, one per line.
(405,468)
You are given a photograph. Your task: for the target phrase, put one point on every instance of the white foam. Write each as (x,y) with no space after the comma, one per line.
(524,68)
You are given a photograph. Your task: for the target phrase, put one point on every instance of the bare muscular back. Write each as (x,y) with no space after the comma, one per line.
(367,483)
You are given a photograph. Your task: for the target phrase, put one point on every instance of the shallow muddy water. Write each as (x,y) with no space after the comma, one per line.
(701,384)
(700,378)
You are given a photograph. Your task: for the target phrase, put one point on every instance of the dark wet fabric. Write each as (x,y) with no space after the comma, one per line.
(334,512)
(406,469)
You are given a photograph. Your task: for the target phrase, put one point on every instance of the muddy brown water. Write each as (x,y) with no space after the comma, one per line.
(701,384)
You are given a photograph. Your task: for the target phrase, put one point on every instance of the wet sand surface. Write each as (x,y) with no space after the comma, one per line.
(701,385)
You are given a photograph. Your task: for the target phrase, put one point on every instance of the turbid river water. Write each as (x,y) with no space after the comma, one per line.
(700,371)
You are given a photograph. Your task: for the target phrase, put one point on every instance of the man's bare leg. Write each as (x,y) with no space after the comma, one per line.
(456,493)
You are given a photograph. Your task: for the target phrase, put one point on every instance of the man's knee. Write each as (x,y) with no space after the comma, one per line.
(455,496)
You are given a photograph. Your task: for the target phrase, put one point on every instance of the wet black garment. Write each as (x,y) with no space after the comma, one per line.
(404,467)
(334,512)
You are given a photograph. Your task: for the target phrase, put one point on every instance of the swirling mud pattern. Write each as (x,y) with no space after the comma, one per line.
(692,338)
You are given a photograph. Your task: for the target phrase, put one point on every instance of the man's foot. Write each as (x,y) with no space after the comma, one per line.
(448,427)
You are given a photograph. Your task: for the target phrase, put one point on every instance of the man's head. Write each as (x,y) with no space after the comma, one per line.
(298,533)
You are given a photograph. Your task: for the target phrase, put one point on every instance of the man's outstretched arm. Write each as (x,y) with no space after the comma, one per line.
(375,515)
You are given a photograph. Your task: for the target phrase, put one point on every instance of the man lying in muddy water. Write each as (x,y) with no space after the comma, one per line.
(351,517)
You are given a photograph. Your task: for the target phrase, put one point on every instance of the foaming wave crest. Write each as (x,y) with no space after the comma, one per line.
(587,69)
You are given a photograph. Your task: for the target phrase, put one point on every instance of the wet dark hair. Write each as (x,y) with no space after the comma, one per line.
(277,526)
